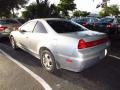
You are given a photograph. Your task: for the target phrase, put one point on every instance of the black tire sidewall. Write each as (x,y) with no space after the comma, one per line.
(53,69)
(12,38)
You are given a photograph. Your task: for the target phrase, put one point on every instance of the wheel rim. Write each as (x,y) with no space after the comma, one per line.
(12,43)
(47,61)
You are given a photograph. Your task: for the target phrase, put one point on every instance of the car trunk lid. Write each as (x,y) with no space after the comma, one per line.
(86,39)
(87,35)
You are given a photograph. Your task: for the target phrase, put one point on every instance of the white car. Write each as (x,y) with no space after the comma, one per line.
(61,43)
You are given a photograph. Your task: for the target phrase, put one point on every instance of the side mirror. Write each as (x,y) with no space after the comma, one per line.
(22,31)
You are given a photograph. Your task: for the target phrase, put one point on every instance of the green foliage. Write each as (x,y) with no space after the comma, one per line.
(80,13)
(114,10)
(65,6)
(105,12)
(110,10)
(76,13)
(7,5)
(41,10)
(84,13)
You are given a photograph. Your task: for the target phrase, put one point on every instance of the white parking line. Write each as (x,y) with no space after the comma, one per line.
(35,76)
(114,56)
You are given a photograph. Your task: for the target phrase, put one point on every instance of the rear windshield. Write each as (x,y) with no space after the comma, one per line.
(21,20)
(8,22)
(84,20)
(106,20)
(64,26)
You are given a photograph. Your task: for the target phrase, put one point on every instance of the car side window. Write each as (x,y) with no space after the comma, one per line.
(117,21)
(39,28)
(94,20)
(29,26)
(91,20)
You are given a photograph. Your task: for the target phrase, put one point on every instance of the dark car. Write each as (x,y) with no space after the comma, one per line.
(108,25)
(21,20)
(8,25)
(88,22)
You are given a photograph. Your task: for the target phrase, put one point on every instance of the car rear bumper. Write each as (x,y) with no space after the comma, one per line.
(80,63)
(4,34)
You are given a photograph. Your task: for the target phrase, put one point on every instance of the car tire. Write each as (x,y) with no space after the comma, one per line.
(13,43)
(48,61)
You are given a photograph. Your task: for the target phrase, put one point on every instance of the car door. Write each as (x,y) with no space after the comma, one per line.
(25,31)
(37,37)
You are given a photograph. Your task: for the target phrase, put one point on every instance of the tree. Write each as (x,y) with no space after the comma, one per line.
(80,13)
(65,6)
(76,13)
(105,12)
(37,1)
(114,10)
(110,10)
(6,6)
(41,10)
(103,4)
(84,13)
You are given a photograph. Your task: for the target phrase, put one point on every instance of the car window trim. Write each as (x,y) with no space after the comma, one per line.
(27,23)
(34,27)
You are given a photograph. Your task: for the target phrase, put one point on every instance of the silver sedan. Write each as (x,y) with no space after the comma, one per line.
(61,43)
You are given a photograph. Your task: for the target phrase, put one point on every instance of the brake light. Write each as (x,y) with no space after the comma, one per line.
(82,44)
(3,28)
(109,25)
(94,24)
(85,24)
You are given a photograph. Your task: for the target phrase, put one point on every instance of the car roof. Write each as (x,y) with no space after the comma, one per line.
(47,19)
(6,19)
(53,19)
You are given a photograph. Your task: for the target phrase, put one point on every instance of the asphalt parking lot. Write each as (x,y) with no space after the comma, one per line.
(14,78)
(103,76)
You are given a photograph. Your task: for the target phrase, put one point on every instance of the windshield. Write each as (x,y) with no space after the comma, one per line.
(106,20)
(64,26)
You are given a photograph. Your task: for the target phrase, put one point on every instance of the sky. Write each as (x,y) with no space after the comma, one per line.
(85,5)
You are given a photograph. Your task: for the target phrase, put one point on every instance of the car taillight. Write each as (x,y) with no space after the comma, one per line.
(109,25)
(85,24)
(83,44)
(94,24)
(3,28)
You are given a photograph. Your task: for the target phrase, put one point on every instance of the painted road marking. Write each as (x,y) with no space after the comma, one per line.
(35,76)
(114,56)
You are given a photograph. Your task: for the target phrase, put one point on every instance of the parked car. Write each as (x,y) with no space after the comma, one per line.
(108,25)
(87,22)
(61,43)
(8,25)
(21,20)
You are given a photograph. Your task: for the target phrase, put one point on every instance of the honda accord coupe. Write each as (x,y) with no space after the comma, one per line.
(61,43)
